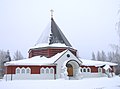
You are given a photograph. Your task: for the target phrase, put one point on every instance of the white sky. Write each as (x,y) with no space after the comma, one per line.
(89,25)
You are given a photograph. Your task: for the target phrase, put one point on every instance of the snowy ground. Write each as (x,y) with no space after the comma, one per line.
(89,83)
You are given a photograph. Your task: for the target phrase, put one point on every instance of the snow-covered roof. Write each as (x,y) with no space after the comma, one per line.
(86,62)
(37,60)
(106,67)
(53,34)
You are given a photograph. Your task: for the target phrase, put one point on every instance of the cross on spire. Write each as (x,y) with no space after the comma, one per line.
(51,13)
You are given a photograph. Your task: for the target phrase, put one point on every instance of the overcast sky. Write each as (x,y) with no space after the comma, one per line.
(89,25)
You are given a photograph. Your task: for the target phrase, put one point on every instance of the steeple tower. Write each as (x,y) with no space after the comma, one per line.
(53,34)
(51,41)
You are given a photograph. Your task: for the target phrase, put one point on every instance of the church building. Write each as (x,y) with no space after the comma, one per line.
(53,57)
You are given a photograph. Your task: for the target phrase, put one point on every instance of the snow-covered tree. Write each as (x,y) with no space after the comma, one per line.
(103,56)
(98,56)
(4,57)
(110,56)
(17,55)
(93,56)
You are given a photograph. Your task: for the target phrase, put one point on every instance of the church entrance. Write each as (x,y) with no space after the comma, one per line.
(70,70)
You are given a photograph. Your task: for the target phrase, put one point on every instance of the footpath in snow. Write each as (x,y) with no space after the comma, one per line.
(89,83)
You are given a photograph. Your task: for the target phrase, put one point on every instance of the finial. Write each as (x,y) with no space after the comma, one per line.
(51,13)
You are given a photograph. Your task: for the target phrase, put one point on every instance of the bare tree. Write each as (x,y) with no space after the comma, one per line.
(17,55)
(116,57)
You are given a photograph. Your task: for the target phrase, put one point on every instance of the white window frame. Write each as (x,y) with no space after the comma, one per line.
(51,70)
(80,69)
(42,70)
(22,70)
(28,70)
(47,70)
(16,70)
(88,70)
(84,70)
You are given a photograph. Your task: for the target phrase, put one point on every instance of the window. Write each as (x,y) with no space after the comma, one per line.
(99,70)
(23,70)
(47,70)
(68,55)
(28,70)
(80,69)
(42,70)
(51,70)
(84,69)
(17,70)
(88,69)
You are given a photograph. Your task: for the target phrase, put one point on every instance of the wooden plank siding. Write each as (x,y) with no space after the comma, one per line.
(48,52)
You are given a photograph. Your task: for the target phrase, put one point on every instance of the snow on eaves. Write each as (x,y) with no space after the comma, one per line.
(47,45)
(96,63)
(37,60)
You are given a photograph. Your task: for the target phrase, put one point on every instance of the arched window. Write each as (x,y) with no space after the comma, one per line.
(80,69)
(47,70)
(51,70)
(84,69)
(17,70)
(42,70)
(28,70)
(88,69)
(23,70)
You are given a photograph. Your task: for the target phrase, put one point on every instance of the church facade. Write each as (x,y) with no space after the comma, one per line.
(54,57)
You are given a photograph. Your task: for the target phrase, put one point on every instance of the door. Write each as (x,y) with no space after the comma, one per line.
(70,70)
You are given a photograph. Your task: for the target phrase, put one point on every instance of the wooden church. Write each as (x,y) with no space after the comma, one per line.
(54,57)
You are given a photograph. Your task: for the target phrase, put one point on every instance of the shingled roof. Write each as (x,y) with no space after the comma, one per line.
(52,34)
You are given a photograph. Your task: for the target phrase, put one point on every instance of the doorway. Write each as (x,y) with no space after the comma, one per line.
(70,70)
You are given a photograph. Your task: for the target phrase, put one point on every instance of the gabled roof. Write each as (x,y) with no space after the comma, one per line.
(52,34)
(37,60)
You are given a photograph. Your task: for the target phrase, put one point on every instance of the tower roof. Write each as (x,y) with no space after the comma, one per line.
(52,34)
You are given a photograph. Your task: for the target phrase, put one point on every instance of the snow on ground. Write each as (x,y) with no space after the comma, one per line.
(88,83)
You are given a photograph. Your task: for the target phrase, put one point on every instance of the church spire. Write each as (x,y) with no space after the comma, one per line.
(53,34)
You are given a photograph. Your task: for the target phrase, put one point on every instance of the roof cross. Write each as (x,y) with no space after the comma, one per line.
(51,13)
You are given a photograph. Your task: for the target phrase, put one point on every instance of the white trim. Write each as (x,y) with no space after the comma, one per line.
(28,70)
(17,69)
(80,69)
(47,70)
(23,70)
(42,70)
(84,70)
(88,69)
(51,70)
